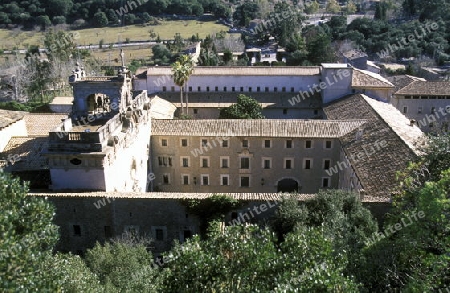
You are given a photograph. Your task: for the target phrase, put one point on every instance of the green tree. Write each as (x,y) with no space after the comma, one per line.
(319,49)
(60,45)
(160,54)
(245,108)
(43,21)
(59,7)
(213,208)
(100,19)
(249,259)
(181,71)
(28,237)
(351,7)
(312,7)
(125,265)
(333,6)
(245,13)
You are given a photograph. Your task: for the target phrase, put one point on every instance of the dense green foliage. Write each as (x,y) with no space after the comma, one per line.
(245,108)
(210,209)
(100,13)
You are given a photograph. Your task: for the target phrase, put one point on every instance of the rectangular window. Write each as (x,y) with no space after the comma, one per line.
(224,162)
(204,162)
(266,163)
(195,111)
(185,179)
(108,231)
(245,181)
(245,163)
(199,89)
(308,144)
(172,88)
(245,143)
(207,88)
(225,143)
(159,234)
(190,89)
(433,110)
(267,143)
(224,179)
(288,163)
(224,88)
(166,179)
(185,162)
(326,164)
(266,89)
(204,143)
(164,89)
(233,89)
(328,144)
(216,89)
(292,89)
(275,89)
(405,110)
(164,142)
(205,179)
(76,230)
(419,110)
(285,111)
(165,161)
(242,88)
(283,89)
(289,143)
(184,142)
(326,182)
(307,164)
(250,89)
(258,89)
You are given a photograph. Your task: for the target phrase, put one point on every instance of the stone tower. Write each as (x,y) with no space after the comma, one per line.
(103,146)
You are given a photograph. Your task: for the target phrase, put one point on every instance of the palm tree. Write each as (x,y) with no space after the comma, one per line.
(181,71)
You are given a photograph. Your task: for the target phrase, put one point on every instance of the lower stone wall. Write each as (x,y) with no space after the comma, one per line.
(85,220)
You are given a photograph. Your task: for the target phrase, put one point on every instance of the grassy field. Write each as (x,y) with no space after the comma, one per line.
(111,57)
(92,36)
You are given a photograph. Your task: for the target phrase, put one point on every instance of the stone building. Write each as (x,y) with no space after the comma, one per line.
(427,103)
(103,145)
(232,156)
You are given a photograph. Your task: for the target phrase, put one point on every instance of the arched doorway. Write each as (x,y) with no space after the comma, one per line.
(287,185)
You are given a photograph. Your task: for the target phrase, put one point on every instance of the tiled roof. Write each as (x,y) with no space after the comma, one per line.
(42,124)
(367,79)
(29,150)
(226,99)
(177,196)
(255,127)
(237,70)
(9,117)
(400,81)
(432,88)
(397,122)
(377,169)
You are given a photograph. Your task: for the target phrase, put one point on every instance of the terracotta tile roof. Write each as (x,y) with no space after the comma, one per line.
(411,135)
(177,196)
(226,99)
(9,117)
(255,127)
(400,81)
(42,124)
(29,149)
(377,169)
(237,70)
(432,88)
(367,79)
